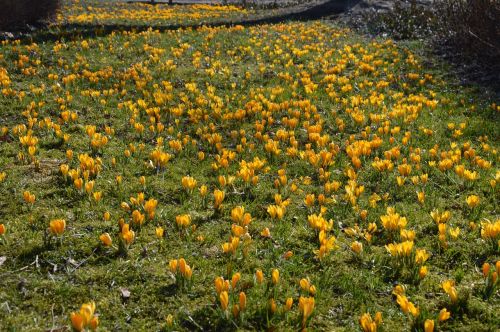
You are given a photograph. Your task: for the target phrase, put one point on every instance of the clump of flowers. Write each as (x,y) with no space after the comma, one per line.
(227,293)
(392,221)
(440,217)
(306,308)
(369,324)
(408,261)
(421,320)
(183,221)
(127,237)
(458,302)
(449,288)
(491,281)
(29,197)
(189,184)
(490,232)
(240,217)
(140,208)
(182,272)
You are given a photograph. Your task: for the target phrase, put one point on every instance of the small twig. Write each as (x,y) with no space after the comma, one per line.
(483,41)
(52,311)
(83,261)
(19,270)
(193,321)
(6,304)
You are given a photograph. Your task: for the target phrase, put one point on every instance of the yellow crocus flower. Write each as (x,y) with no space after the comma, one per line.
(57,226)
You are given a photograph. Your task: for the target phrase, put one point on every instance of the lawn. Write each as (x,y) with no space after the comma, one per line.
(273,177)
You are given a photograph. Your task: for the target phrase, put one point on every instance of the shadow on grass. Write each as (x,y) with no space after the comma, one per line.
(203,320)
(167,291)
(30,255)
(41,33)
(166,2)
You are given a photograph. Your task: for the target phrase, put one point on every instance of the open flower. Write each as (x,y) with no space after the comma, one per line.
(183,220)
(57,226)
(444,315)
(29,197)
(189,183)
(85,318)
(472,201)
(357,247)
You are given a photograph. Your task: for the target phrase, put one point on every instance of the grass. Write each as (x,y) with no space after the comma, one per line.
(249,83)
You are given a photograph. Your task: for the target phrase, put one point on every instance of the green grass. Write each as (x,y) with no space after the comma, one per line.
(44,281)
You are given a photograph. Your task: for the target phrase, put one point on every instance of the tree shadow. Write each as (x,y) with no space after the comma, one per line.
(165,2)
(167,291)
(30,255)
(203,320)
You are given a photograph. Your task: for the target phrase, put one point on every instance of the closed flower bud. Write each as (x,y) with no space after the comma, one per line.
(429,325)
(422,272)
(224,300)
(275,276)
(259,276)
(288,304)
(486,270)
(106,239)
(234,280)
(170,320)
(235,310)
(173,264)
(272,305)
(242,301)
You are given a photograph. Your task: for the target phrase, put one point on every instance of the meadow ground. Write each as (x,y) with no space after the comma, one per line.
(273,177)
